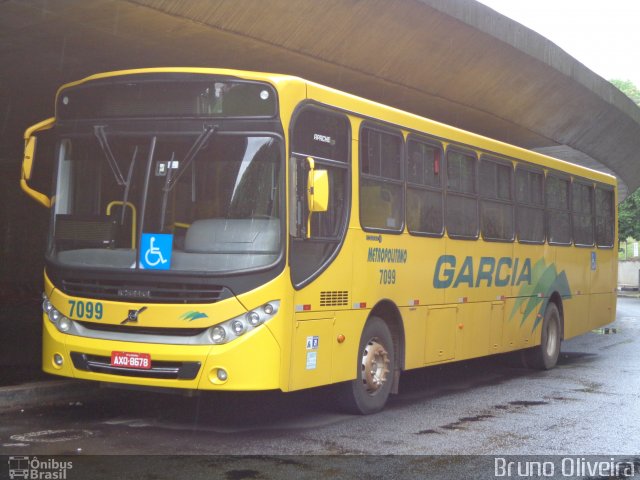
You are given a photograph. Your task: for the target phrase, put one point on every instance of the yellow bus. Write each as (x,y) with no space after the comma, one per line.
(227,230)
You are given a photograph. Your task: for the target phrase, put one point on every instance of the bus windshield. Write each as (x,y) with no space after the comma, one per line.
(207,202)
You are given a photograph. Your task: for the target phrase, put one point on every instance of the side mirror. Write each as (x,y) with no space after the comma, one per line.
(317,191)
(30,144)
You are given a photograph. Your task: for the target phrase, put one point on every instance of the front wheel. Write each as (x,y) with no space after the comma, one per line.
(369,392)
(545,356)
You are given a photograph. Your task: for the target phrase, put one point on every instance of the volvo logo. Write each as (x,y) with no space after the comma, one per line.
(132,317)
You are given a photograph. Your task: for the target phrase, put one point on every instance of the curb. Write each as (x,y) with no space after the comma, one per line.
(38,394)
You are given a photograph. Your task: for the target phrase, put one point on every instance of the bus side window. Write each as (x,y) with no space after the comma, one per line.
(381,180)
(582,213)
(557,205)
(462,196)
(605,217)
(530,205)
(496,207)
(425,209)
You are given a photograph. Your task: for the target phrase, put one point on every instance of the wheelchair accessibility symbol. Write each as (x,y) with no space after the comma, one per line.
(155,251)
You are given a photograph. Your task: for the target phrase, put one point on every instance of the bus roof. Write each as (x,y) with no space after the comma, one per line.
(369,109)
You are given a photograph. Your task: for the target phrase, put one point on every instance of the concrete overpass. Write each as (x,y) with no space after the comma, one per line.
(455,61)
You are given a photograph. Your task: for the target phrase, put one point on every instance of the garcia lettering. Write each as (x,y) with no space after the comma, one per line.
(486,272)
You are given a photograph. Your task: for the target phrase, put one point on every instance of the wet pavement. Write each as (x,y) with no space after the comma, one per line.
(588,405)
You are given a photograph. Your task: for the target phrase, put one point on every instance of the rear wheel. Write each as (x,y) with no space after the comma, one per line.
(545,356)
(369,392)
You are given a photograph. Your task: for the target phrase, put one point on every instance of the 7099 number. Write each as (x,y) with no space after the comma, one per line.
(387,277)
(79,309)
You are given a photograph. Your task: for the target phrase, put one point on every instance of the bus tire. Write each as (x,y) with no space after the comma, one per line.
(369,392)
(545,356)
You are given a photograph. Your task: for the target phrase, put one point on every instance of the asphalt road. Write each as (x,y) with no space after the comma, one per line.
(588,405)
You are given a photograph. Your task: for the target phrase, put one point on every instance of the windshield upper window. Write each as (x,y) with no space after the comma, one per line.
(145,98)
(178,203)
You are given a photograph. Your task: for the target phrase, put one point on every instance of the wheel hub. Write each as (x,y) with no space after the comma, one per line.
(375,366)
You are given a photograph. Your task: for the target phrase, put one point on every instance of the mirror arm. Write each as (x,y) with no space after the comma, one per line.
(311,164)
(41,198)
(43,125)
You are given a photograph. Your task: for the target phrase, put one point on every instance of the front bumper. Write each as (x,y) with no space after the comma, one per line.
(251,362)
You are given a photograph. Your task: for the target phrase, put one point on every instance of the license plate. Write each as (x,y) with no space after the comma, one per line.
(131,360)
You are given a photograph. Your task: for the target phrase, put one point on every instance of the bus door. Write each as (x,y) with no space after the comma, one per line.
(321,269)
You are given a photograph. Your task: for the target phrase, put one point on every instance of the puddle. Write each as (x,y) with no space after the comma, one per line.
(463,422)
(460,424)
(589,387)
(528,403)
(564,399)
(477,418)
(605,330)
(206,425)
(575,359)
(51,436)
(242,474)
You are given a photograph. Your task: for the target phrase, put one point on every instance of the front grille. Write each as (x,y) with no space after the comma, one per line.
(146,293)
(173,332)
(159,369)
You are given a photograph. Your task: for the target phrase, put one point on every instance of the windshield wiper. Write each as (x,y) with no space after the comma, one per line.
(98,131)
(128,185)
(165,191)
(191,154)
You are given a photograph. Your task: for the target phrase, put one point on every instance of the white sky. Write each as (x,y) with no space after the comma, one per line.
(604,35)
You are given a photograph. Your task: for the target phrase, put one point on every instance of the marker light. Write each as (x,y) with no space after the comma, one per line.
(58,360)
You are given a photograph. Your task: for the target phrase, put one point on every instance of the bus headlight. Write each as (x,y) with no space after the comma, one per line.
(62,323)
(268,309)
(231,329)
(218,334)
(46,306)
(238,327)
(55,315)
(253,318)
(51,312)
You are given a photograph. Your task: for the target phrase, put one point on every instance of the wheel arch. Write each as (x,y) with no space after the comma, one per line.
(556,299)
(389,312)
